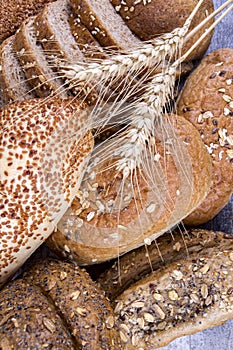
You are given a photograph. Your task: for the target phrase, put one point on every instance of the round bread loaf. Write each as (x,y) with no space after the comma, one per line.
(13,13)
(55,305)
(207,101)
(112,215)
(148,19)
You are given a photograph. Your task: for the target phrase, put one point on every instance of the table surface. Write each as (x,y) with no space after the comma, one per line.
(218,338)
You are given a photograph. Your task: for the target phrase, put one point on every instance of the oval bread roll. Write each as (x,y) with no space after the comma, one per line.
(185,296)
(207,101)
(55,305)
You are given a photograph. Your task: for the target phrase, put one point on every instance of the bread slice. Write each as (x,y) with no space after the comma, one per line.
(13,82)
(112,215)
(85,40)
(104,23)
(54,33)
(33,61)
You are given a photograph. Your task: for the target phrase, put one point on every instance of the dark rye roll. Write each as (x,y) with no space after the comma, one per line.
(56,305)
(148,19)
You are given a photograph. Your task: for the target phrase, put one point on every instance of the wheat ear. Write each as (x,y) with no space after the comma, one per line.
(118,65)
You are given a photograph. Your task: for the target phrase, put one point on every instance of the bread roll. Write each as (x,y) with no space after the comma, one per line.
(207,101)
(148,19)
(55,305)
(185,296)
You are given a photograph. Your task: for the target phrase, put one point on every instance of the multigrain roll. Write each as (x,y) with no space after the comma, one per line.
(207,101)
(189,291)
(55,305)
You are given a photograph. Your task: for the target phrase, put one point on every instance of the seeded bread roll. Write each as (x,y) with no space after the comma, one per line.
(181,298)
(148,19)
(56,303)
(30,320)
(86,310)
(99,226)
(168,248)
(207,101)
(13,13)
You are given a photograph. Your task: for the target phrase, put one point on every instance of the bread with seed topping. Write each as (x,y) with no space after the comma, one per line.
(183,297)
(212,114)
(56,303)
(13,13)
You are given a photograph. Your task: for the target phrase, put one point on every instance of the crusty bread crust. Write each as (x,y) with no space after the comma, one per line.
(207,101)
(13,13)
(59,305)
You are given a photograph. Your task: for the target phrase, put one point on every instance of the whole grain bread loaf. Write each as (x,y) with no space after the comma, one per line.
(207,101)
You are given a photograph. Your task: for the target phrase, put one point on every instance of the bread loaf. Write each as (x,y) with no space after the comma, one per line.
(112,215)
(211,113)
(148,19)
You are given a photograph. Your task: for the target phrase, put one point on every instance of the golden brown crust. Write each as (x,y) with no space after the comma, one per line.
(207,101)
(148,19)
(181,298)
(86,232)
(168,248)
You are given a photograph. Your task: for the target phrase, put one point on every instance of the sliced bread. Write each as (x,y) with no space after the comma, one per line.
(14,86)
(54,33)
(33,61)
(104,23)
